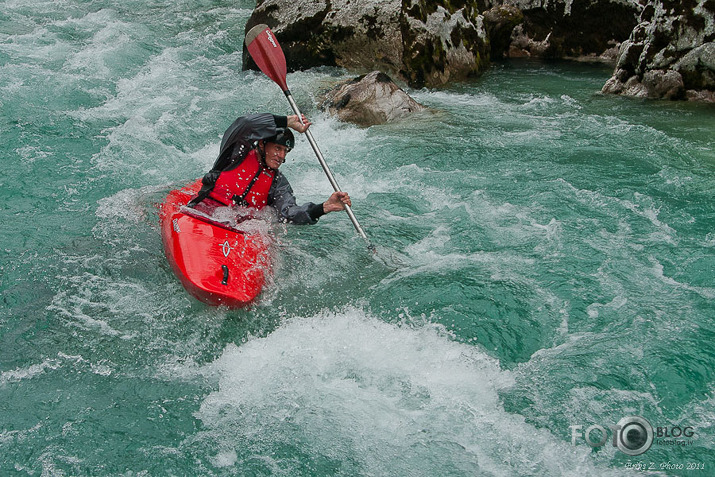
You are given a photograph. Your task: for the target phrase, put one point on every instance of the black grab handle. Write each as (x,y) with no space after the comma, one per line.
(225,275)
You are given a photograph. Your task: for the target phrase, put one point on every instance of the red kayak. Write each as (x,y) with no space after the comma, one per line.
(217,263)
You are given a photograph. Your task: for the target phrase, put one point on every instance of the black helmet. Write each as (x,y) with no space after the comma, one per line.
(284,137)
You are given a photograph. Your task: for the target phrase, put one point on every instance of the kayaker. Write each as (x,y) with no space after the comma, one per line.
(246,170)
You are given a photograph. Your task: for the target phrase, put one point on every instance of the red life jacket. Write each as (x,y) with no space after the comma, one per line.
(249,181)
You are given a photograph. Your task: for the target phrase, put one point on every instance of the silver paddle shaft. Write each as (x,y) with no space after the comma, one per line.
(325,167)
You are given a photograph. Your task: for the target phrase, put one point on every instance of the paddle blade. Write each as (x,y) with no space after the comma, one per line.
(267,53)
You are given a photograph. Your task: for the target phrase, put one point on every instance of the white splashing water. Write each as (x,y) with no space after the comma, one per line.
(373,398)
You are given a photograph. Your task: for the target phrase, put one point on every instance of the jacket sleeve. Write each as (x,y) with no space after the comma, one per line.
(281,198)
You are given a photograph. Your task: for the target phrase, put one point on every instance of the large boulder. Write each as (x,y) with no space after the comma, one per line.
(670,54)
(370,99)
(423,42)
(585,29)
(500,21)
(442,43)
(333,33)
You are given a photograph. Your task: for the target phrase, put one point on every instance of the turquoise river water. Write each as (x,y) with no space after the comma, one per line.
(545,268)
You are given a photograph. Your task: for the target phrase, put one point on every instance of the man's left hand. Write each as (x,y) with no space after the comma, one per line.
(336,202)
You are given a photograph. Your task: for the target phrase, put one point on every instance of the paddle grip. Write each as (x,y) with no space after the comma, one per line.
(326,169)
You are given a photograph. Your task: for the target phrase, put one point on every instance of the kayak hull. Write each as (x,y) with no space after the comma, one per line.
(216,263)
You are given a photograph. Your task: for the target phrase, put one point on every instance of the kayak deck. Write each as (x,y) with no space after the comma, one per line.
(216,263)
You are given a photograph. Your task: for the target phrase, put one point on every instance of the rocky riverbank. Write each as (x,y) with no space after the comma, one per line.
(659,48)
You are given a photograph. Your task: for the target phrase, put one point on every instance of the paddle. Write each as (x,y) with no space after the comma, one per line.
(268,55)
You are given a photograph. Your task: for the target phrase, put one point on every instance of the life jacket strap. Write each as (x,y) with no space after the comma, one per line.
(241,199)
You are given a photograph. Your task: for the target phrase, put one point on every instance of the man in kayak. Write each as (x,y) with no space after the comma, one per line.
(246,170)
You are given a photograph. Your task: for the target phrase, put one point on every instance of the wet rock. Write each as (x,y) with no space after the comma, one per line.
(442,44)
(500,21)
(667,84)
(582,30)
(655,84)
(425,43)
(370,99)
(655,44)
(670,54)
(697,67)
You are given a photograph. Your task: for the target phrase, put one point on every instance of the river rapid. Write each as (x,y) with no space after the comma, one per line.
(544,271)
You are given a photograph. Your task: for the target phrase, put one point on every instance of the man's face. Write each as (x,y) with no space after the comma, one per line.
(275,154)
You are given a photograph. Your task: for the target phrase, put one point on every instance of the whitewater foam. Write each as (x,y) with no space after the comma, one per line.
(371,398)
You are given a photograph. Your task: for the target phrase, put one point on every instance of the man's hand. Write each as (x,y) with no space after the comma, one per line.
(336,202)
(296,124)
